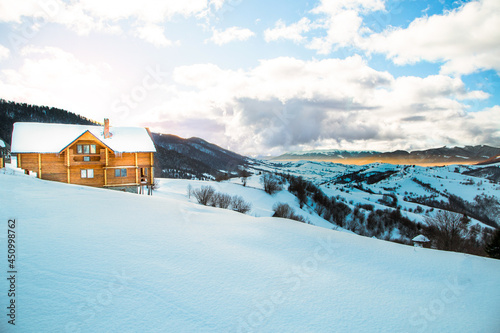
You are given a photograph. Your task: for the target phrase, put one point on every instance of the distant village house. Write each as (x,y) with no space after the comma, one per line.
(421,241)
(100,156)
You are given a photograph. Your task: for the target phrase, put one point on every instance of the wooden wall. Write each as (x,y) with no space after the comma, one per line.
(55,166)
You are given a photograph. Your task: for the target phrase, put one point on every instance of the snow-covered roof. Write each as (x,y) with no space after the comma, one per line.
(53,138)
(421,238)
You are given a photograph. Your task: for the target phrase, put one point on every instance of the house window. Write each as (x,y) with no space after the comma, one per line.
(86,149)
(120,172)
(86,158)
(87,173)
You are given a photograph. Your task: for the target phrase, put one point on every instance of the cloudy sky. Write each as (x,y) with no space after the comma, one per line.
(264,77)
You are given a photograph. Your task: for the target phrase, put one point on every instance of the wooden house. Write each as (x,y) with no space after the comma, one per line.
(97,156)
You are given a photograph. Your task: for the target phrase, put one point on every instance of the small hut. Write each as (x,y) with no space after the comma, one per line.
(421,241)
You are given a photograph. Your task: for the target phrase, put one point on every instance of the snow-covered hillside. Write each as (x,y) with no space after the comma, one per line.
(261,202)
(367,184)
(94,260)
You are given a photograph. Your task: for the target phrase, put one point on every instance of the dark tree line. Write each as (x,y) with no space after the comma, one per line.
(484,208)
(11,112)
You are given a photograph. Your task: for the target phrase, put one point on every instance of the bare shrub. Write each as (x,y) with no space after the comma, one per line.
(204,194)
(282,210)
(156,185)
(221,200)
(240,205)
(285,211)
(449,230)
(271,183)
(214,200)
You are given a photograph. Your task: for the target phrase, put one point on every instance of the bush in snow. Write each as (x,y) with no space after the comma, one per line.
(298,187)
(204,194)
(156,185)
(282,210)
(449,230)
(271,183)
(365,206)
(244,174)
(240,205)
(390,200)
(285,211)
(221,200)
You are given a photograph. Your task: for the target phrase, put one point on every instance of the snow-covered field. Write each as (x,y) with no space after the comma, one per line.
(95,260)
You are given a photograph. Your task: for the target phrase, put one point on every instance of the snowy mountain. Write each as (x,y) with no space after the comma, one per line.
(392,202)
(194,157)
(429,157)
(95,260)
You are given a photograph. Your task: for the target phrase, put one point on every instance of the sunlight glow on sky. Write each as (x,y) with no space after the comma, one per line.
(261,77)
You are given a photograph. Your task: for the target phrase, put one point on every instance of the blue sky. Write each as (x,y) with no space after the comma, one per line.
(262,77)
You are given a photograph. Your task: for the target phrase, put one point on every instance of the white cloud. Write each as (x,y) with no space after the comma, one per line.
(466,39)
(33,14)
(292,32)
(287,103)
(150,11)
(335,6)
(86,16)
(153,34)
(221,37)
(51,76)
(4,52)
(342,22)
(13,11)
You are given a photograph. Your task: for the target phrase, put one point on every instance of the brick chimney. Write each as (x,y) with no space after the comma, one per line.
(107,134)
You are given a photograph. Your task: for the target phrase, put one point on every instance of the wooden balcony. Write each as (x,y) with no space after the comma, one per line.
(87,159)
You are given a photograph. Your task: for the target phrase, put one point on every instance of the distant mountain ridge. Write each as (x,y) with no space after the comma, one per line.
(435,156)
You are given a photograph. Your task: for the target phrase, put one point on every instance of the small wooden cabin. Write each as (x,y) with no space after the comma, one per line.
(97,156)
(421,241)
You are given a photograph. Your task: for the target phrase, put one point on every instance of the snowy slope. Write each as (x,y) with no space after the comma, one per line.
(94,260)
(334,180)
(262,203)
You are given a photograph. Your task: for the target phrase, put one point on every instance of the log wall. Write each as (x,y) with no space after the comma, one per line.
(66,167)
